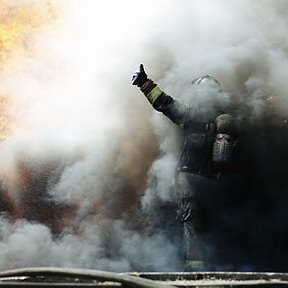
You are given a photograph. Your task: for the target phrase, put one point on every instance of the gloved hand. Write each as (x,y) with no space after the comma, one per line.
(139,77)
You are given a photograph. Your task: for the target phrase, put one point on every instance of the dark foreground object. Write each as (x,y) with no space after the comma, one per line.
(57,277)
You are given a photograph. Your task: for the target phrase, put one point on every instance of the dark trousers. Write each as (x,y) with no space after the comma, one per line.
(200,203)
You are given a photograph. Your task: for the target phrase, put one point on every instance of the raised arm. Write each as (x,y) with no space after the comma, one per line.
(173,109)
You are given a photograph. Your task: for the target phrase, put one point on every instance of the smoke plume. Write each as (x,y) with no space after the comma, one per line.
(86,162)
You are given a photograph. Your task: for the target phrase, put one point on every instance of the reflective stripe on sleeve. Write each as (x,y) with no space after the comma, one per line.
(154,94)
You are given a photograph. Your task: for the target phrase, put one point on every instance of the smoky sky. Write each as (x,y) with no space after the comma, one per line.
(88,158)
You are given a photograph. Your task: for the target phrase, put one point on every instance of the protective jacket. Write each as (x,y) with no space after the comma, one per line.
(208,142)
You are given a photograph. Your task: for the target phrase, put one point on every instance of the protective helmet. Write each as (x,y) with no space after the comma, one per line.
(208,95)
(207,81)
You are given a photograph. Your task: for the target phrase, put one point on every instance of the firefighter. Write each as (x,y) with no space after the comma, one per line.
(206,159)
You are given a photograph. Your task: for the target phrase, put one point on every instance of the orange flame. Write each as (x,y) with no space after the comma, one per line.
(6,109)
(20,21)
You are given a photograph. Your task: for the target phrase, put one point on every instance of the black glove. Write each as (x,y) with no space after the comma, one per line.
(139,77)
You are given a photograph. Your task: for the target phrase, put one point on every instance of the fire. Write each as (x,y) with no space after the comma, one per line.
(20,21)
(6,109)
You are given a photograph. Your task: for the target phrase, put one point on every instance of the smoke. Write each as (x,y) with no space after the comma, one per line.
(75,164)
(87,164)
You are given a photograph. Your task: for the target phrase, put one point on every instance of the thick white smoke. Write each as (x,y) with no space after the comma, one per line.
(87,145)
(75,166)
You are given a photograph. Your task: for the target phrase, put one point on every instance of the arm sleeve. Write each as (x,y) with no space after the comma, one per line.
(173,109)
